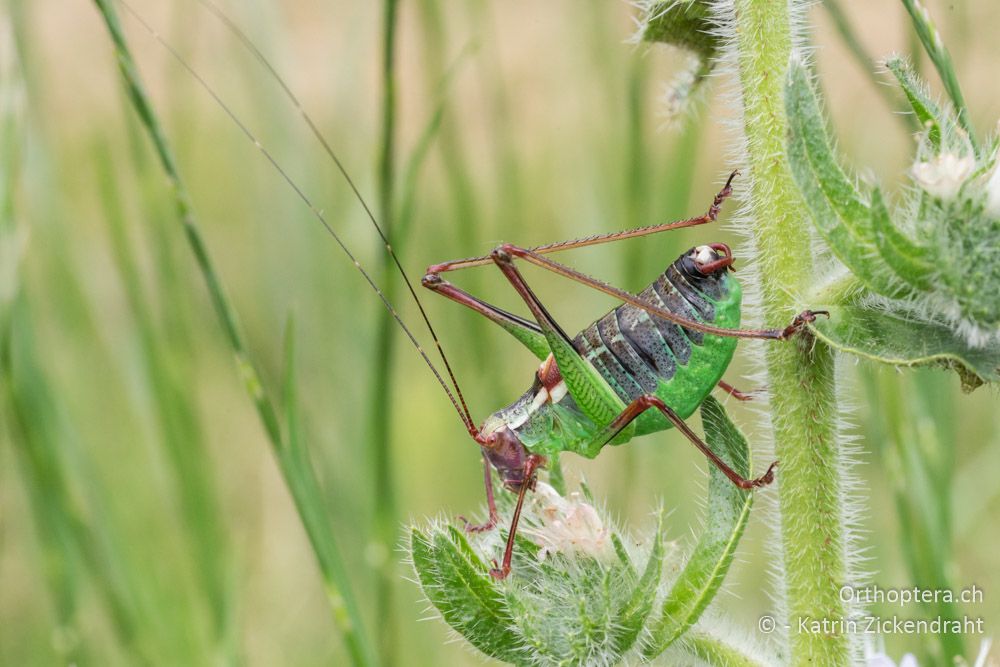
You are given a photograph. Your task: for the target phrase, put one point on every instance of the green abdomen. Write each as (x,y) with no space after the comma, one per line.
(638,353)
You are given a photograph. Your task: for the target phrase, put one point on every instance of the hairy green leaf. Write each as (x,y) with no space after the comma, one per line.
(925,109)
(728,511)
(633,614)
(716,651)
(908,260)
(838,210)
(892,339)
(462,590)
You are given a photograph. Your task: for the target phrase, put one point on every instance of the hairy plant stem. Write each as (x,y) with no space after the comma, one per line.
(800,373)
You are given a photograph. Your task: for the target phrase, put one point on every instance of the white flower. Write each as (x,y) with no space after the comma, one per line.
(984,653)
(875,656)
(567,525)
(993,189)
(882,660)
(943,176)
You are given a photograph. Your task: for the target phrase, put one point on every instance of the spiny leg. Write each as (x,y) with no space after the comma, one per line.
(734,392)
(506,253)
(531,337)
(710,216)
(527,333)
(647,401)
(530,466)
(490,503)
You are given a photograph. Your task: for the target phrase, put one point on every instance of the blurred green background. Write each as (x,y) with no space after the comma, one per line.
(142,515)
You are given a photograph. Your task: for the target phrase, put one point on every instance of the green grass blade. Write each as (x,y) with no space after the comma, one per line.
(185,213)
(864,60)
(298,473)
(380,399)
(939,55)
(307,494)
(72,545)
(181,430)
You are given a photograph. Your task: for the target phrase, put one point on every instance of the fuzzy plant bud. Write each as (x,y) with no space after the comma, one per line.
(580,591)
(993,188)
(928,268)
(687,25)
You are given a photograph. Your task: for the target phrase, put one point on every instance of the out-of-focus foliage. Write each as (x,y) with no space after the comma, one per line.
(549,129)
(930,269)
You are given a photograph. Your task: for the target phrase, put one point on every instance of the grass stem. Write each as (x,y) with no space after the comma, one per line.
(301,479)
(939,55)
(380,400)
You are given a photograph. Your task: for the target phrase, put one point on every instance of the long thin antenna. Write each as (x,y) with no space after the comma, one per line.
(314,128)
(460,406)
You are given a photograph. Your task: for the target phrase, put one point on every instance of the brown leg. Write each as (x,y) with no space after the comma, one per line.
(535,255)
(490,502)
(435,283)
(505,254)
(534,460)
(734,392)
(710,216)
(643,403)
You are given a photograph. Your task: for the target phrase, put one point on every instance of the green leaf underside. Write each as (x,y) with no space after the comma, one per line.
(895,340)
(838,210)
(686,24)
(461,589)
(727,514)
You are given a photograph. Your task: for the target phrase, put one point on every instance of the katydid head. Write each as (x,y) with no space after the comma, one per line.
(707,261)
(505,452)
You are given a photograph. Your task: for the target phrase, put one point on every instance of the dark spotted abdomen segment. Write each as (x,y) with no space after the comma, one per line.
(634,350)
